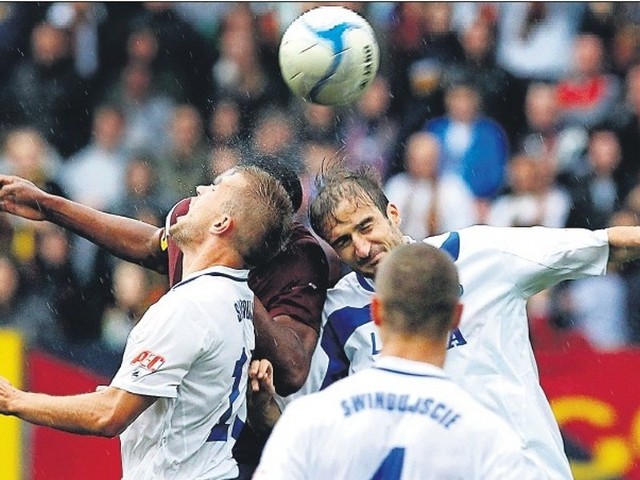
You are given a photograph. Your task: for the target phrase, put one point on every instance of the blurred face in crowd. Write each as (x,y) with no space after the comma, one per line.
(108,128)
(541,107)
(604,152)
(422,156)
(462,103)
(186,127)
(361,235)
(49,44)
(588,55)
(375,100)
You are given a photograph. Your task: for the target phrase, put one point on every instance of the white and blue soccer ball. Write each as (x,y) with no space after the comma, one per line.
(329,55)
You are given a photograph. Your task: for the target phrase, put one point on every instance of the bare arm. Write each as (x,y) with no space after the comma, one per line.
(288,344)
(126,238)
(105,413)
(624,243)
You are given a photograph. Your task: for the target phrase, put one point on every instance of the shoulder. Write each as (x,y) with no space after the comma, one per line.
(301,239)
(349,291)
(302,257)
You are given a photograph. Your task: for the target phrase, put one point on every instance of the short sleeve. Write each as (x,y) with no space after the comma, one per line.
(161,349)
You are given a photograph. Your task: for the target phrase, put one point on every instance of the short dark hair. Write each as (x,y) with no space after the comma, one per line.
(265,220)
(283,172)
(335,183)
(418,287)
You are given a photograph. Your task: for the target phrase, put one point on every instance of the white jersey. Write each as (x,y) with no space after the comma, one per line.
(490,354)
(191,350)
(397,420)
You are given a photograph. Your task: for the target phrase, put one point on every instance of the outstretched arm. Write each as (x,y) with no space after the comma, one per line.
(624,243)
(126,238)
(107,412)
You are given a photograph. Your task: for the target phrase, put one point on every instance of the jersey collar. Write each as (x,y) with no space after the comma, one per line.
(367,283)
(217,270)
(408,367)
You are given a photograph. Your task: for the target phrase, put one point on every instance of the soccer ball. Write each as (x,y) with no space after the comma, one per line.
(329,55)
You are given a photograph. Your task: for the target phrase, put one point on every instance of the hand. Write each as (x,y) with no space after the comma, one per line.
(261,377)
(7,393)
(21,197)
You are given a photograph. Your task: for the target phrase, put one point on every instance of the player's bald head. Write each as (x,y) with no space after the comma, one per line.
(418,287)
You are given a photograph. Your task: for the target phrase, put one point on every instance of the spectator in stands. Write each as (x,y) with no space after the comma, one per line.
(131,298)
(595,196)
(83,21)
(182,53)
(628,119)
(239,74)
(184,162)
(275,135)
(225,125)
(95,176)
(587,95)
(21,308)
(474,146)
(430,202)
(44,91)
(533,197)
(26,153)
(369,132)
(479,65)
(145,197)
(320,123)
(147,112)
(422,45)
(536,38)
(545,136)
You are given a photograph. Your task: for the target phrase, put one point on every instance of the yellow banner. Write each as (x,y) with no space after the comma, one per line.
(10,435)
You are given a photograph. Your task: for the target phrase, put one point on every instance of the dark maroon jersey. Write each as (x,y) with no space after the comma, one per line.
(293,283)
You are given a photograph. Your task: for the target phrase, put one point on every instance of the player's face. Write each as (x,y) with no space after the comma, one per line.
(362,235)
(205,207)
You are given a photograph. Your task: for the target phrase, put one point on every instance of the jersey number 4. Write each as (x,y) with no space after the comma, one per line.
(391,466)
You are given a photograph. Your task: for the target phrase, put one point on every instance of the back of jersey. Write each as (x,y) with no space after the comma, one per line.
(397,420)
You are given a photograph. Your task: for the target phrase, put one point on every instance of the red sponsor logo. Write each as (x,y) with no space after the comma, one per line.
(148,360)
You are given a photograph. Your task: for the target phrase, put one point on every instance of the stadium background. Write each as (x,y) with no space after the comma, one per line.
(127,106)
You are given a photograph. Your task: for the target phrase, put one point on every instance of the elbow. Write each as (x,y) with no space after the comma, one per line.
(109,426)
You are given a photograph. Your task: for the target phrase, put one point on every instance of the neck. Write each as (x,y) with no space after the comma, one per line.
(416,349)
(206,256)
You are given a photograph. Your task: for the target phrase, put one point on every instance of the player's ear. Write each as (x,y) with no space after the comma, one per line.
(376,311)
(393,214)
(455,317)
(221,224)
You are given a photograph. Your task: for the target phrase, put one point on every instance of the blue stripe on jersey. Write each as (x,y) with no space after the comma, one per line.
(452,245)
(211,274)
(339,327)
(363,283)
(411,374)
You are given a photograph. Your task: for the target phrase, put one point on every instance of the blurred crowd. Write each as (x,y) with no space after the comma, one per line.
(511,114)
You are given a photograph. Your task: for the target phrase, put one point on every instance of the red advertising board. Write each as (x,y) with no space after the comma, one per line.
(596,399)
(58,455)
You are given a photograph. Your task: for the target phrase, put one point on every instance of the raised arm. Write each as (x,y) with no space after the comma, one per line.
(126,238)
(624,243)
